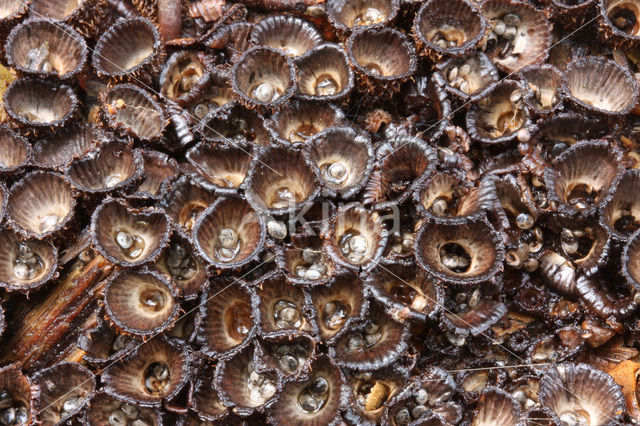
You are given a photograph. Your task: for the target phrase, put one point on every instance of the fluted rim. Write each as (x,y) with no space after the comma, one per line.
(330,58)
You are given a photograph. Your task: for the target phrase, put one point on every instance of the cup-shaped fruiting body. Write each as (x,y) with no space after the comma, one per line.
(428,106)
(220,167)
(565,343)
(39,105)
(46,48)
(26,264)
(61,148)
(317,400)
(303,261)
(575,184)
(269,189)
(427,398)
(376,343)
(348,16)
(448,28)
(208,94)
(185,201)
(154,373)
(132,111)
(230,233)
(15,151)
(234,39)
(558,273)
(600,86)
(289,33)
(204,400)
(65,388)
(282,307)
(446,196)
(406,293)
(557,133)
(228,318)
(336,306)
(520,34)
(159,170)
(140,302)
(605,299)
(620,214)
(461,253)
(102,345)
(354,238)
(246,384)
(127,236)
(264,78)
(402,164)
(130,49)
(115,166)
(18,394)
(542,86)
(233,121)
(181,264)
(105,410)
(498,115)
(345,160)
(471,311)
(324,74)
(584,243)
(291,355)
(40,204)
(301,120)
(468,77)
(183,76)
(578,393)
(88,17)
(383,59)
(371,393)
(618,22)
(496,406)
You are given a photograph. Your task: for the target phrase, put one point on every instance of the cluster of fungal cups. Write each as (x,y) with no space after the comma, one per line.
(390,212)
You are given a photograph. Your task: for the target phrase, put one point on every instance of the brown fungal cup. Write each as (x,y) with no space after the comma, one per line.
(39,104)
(463,253)
(520,35)
(620,214)
(130,48)
(268,189)
(382,58)
(46,48)
(350,15)
(337,306)
(467,77)
(574,184)
(105,410)
(323,74)
(132,111)
(450,28)
(300,120)
(344,158)
(71,143)
(282,310)
(293,35)
(498,115)
(154,373)
(263,78)
(26,264)
(159,170)
(18,394)
(220,167)
(185,201)
(114,166)
(40,204)
(354,238)
(183,76)
(316,400)
(542,83)
(65,388)
(126,236)
(600,86)
(229,234)
(228,320)
(15,151)
(140,302)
